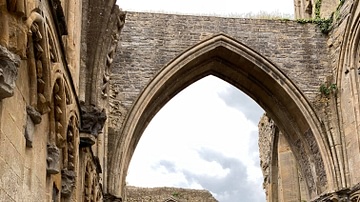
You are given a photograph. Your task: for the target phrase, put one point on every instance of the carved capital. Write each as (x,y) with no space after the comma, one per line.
(9,64)
(92,119)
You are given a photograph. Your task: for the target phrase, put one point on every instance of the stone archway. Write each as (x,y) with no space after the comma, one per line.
(256,76)
(347,80)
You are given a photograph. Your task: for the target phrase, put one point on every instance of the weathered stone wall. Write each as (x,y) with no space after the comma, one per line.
(55,62)
(46,138)
(163,194)
(149,41)
(267,130)
(338,109)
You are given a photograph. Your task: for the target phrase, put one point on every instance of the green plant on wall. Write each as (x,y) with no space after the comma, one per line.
(176,194)
(328,89)
(324,24)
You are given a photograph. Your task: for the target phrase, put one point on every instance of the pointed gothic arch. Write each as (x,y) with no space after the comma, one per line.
(250,72)
(347,79)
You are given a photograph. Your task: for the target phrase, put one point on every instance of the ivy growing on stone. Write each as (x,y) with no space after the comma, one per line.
(324,24)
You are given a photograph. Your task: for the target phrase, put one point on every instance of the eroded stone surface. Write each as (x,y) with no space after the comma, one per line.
(93,119)
(9,64)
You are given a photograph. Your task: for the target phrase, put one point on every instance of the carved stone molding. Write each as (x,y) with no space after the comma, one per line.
(92,119)
(53,159)
(344,195)
(9,64)
(111,53)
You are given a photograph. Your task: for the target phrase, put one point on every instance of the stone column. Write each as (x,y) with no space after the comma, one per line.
(288,173)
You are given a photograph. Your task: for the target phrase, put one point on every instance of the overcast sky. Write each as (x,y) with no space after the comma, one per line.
(206,136)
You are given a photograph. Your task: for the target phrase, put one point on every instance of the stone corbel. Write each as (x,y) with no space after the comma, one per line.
(53,160)
(67,182)
(9,64)
(33,118)
(92,119)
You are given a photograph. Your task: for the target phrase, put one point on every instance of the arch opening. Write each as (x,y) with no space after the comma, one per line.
(203,138)
(248,71)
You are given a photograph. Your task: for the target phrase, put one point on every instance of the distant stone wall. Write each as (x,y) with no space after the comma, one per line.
(162,194)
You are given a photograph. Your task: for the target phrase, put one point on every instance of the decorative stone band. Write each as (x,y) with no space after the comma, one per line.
(9,64)
(349,194)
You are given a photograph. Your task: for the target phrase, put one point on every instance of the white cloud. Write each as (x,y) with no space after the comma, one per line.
(209,7)
(173,148)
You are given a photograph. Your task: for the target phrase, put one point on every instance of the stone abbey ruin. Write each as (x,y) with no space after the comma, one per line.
(80,81)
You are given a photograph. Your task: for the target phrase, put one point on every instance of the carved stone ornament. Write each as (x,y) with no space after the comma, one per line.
(9,64)
(53,159)
(29,132)
(67,182)
(33,118)
(92,119)
(33,114)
